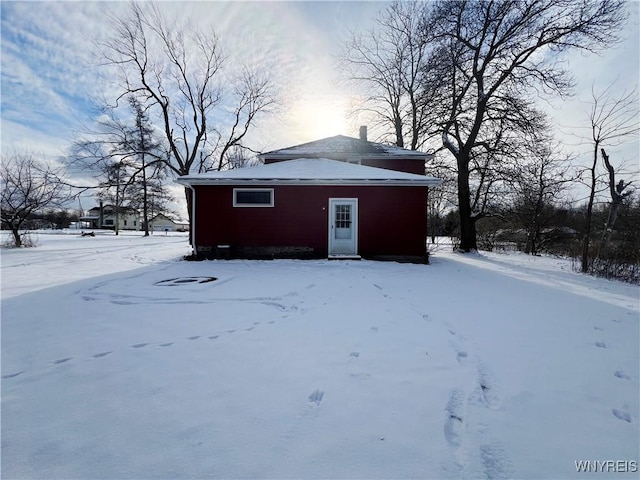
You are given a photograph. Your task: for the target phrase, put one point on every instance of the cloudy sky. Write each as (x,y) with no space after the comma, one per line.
(50,75)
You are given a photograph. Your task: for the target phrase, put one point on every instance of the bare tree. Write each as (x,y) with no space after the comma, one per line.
(180,75)
(538,186)
(126,156)
(149,158)
(611,121)
(618,194)
(254,95)
(488,57)
(387,63)
(238,157)
(28,186)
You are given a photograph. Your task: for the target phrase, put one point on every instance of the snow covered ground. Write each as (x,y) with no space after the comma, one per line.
(119,360)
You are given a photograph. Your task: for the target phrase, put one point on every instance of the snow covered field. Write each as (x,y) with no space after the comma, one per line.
(119,360)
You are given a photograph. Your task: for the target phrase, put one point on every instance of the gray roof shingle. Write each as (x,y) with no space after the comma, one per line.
(342,145)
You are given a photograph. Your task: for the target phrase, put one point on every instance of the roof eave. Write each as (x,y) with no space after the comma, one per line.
(372,156)
(422,182)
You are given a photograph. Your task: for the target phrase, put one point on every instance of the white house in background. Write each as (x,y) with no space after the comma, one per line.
(105,217)
(162,223)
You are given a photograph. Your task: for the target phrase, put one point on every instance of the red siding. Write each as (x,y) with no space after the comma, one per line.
(391,220)
(398,164)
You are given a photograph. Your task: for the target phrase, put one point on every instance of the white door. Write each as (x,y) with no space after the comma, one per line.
(343,226)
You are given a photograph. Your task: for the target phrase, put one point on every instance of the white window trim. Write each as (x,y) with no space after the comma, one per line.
(253,205)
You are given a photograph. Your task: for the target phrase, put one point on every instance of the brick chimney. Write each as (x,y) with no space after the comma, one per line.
(363,133)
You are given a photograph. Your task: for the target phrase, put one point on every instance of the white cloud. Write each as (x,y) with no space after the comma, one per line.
(19,137)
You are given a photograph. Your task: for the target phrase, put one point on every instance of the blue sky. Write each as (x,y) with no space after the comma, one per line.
(50,75)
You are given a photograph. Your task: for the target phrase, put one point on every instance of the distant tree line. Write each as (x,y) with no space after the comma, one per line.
(51,219)
(560,234)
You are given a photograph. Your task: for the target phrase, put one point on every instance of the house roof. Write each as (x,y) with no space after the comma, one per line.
(310,171)
(108,209)
(343,146)
(167,217)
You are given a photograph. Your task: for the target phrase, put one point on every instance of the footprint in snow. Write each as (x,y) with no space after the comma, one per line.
(12,375)
(230,331)
(488,387)
(601,345)
(213,337)
(101,354)
(139,345)
(354,354)
(374,329)
(168,344)
(621,415)
(249,329)
(426,317)
(598,328)
(622,375)
(61,360)
(454,423)
(316,396)
(495,462)
(461,356)
(195,337)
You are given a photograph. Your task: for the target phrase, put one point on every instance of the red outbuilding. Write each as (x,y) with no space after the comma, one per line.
(338,197)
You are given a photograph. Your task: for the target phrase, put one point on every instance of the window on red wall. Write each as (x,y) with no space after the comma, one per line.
(253,197)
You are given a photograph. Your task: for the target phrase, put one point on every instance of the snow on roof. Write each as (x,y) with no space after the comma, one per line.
(310,171)
(342,145)
(168,217)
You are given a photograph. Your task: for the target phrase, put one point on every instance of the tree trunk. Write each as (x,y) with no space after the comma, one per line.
(535,228)
(145,205)
(399,134)
(530,245)
(534,241)
(584,264)
(608,228)
(468,240)
(617,196)
(117,206)
(17,240)
(188,195)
